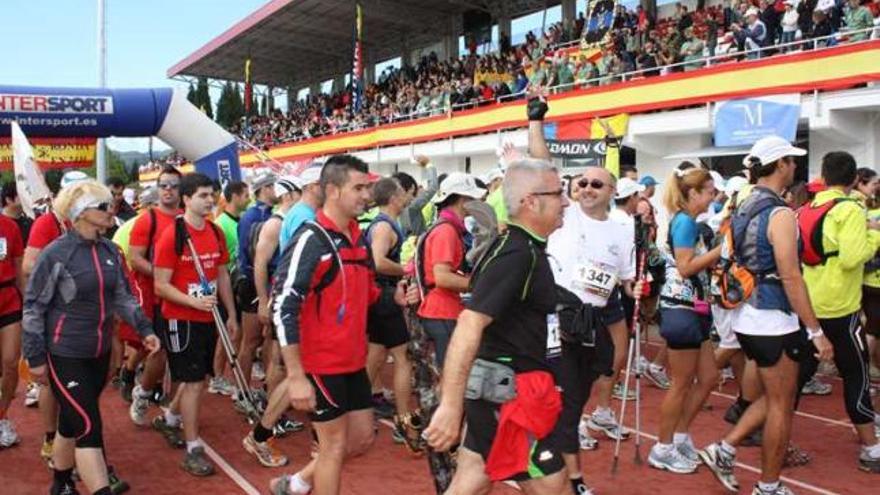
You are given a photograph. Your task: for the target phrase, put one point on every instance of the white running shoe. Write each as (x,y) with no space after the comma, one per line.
(257,372)
(8,435)
(139,406)
(585,440)
(721,463)
(670,459)
(780,490)
(688,450)
(220,385)
(657,375)
(32,396)
(605,422)
(816,387)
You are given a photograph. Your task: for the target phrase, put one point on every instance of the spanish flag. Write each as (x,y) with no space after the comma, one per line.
(612,130)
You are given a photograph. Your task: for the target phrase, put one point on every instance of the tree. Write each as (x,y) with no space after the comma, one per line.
(203,98)
(237,105)
(191,95)
(223,105)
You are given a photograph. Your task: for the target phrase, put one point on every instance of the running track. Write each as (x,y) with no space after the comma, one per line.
(143,459)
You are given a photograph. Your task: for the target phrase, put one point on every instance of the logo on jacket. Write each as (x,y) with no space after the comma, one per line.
(72,384)
(545,456)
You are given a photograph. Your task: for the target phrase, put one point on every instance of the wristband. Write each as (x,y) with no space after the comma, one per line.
(812,334)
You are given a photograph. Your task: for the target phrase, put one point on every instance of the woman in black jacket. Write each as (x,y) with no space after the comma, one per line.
(76,287)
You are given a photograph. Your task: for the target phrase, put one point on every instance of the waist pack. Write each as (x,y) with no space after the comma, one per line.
(579,323)
(490,381)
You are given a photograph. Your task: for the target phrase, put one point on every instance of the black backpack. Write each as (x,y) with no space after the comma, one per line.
(181,235)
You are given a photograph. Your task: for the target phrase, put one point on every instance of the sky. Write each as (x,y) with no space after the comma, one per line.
(53,42)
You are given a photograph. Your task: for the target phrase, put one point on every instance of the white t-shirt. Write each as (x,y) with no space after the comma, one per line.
(750,320)
(590,257)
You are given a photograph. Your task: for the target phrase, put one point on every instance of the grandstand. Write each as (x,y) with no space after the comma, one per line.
(668,65)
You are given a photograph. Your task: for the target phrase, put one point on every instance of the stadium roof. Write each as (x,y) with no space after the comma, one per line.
(299,42)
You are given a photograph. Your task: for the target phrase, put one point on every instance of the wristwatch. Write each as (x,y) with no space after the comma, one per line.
(813,333)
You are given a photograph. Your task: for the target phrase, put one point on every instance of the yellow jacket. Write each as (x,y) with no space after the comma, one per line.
(836,287)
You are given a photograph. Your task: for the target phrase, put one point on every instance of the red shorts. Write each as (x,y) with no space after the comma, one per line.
(129,336)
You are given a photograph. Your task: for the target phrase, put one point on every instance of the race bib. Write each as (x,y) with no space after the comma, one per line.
(554,342)
(596,278)
(3,251)
(198,290)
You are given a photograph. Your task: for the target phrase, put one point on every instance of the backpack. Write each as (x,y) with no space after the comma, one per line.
(733,282)
(419,259)
(811,220)
(181,234)
(254,236)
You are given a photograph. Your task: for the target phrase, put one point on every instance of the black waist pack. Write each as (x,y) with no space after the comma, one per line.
(579,323)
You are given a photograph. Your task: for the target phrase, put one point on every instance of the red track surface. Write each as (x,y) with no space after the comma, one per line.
(142,458)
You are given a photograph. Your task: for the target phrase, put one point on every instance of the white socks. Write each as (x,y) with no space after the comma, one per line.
(194,444)
(299,485)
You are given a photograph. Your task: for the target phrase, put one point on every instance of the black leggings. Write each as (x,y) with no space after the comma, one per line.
(851,357)
(77,384)
(575,374)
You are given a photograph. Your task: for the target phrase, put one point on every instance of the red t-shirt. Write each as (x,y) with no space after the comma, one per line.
(443,245)
(11,248)
(140,237)
(45,230)
(210,245)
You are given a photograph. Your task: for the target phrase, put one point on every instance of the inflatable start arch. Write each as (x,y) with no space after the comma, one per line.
(164,113)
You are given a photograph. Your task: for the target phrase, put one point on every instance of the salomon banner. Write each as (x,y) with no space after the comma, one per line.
(53,153)
(742,122)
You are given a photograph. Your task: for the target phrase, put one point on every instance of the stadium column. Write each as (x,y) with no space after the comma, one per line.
(569,10)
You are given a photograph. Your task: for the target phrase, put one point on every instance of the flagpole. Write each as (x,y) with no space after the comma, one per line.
(100,148)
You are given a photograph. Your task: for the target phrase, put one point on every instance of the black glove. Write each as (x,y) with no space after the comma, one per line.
(536,109)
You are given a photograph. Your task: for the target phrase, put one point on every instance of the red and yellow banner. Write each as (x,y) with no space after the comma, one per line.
(53,153)
(833,68)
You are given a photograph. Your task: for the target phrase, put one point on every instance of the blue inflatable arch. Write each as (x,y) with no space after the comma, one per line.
(164,113)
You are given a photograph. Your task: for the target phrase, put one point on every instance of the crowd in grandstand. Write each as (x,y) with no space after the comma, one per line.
(637,45)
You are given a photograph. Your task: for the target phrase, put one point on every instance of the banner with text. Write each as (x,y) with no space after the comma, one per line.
(53,153)
(742,122)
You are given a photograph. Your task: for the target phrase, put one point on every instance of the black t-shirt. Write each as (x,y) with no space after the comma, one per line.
(515,286)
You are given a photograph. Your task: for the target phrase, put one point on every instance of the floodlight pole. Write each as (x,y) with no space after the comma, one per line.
(100,147)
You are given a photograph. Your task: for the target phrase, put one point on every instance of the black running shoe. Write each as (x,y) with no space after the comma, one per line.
(286,425)
(733,413)
(68,488)
(117,485)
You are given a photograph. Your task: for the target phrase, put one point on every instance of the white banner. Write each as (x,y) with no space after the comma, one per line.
(29,181)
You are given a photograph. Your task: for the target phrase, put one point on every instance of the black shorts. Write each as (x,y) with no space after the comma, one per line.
(190,346)
(387,327)
(10,318)
(482,424)
(614,310)
(871,307)
(766,350)
(684,329)
(339,394)
(246,295)
(77,384)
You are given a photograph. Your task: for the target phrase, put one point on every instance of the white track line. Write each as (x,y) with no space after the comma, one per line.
(790,481)
(230,471)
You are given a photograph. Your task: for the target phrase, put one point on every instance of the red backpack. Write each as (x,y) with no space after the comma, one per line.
(810,223)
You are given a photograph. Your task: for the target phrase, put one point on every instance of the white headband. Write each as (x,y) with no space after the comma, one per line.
(84,203)
(681,173)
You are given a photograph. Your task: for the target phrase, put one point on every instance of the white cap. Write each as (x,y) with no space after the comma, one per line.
(458,183)
(771,148)
(493,174)
(73,177)
(311,175)
(286,184)
(752,11)
(735,185)
(626,187)
(718,179)
(128,195)
(262,178)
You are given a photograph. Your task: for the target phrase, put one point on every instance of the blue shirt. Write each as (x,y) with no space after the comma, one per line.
(298,215)
(259,212)
(684,231)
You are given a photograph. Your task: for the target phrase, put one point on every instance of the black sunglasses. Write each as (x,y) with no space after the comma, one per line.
(105,207)
(595,184)
(169,185)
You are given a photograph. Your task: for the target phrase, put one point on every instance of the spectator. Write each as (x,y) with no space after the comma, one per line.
(691,49)
(821,28)
(789,22)
(858,18)
(754,35)
(770,17)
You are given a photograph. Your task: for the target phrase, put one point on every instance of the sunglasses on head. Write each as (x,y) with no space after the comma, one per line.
(594,183)
(169,185)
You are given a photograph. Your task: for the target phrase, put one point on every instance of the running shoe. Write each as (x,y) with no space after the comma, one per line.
(68,488)
(281,486)
(170,433)
(32,395)
(657,375)
(286,425)
(867,462)
(733,413)
(220,385)
(125,391)
(606,423)
(779,490)
(617,393)
(46,453)
(816,387)
(642,364)
(257,371)
(754,440)
(8,435)
(582,489)
(688,450)
(265,452)
(670,459)
(139,406)
(196,463)
(117,486)
(382,407)
(727,375)
(721,463)
(585,440)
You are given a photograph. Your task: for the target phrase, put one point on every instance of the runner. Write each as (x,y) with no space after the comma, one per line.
(685,319)
(505,327)
(124,211)
(306,209)
(12,208)
(848,241)
(78,357)
(11,283)
(441,260)
(237,198)
(321,324)
(386,327)
(263,189)
(186,323)
(148,228)
(592,256)
(766,324)
(866,191)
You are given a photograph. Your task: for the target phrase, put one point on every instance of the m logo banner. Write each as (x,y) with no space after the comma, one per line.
(742,122)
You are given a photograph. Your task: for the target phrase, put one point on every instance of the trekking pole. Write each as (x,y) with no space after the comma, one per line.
(253,411)
(629,362)
(637,331)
